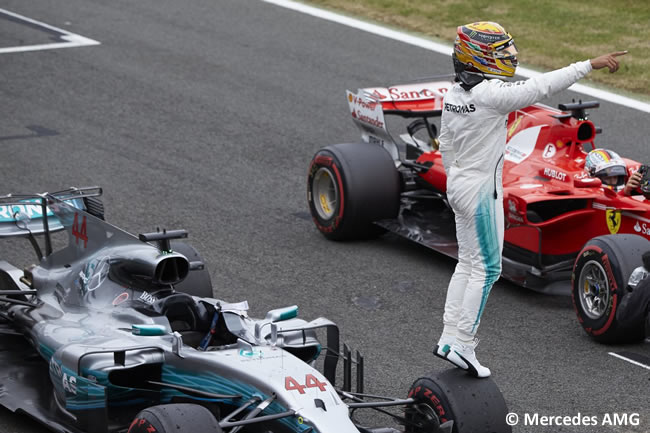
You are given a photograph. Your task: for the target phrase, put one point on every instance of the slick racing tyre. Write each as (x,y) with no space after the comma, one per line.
(349,186)
(197,282)
(599,285)
(474,405)
(175,418)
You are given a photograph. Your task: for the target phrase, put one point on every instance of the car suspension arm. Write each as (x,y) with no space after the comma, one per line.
(251,417)
(195,392)
(375,405)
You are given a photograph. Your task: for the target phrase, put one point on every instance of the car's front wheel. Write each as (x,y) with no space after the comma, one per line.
(175,418)
(599,285)
(474,405)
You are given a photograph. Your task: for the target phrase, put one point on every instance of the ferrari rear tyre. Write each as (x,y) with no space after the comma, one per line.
(474,406)
(198,281)
(599,284)
(349,186)
(175,418)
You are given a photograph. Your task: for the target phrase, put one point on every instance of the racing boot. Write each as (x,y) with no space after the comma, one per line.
(444,344)
(462,355)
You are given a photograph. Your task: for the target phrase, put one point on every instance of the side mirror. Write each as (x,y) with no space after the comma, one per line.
(587,182)
(280,314)
(148,330)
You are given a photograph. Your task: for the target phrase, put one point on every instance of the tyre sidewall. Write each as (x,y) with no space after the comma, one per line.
(326,159)
(619,255)
(368,186)
(424,390)
(145,422)
(175,418)
(601,254)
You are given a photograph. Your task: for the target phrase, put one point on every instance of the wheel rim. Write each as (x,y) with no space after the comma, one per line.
(326,193)
(594,290)
(422,418)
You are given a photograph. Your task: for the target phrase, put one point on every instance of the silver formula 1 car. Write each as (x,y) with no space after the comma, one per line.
(115,333)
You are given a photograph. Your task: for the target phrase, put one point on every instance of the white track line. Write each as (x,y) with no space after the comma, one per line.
(445,49)
(73,40)
(631,361)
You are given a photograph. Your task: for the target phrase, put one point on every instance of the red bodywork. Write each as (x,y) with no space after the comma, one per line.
(552,208)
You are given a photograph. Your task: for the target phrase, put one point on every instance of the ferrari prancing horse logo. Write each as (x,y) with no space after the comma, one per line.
(613,220)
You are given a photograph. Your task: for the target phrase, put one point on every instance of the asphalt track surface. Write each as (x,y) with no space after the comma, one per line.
(204,115)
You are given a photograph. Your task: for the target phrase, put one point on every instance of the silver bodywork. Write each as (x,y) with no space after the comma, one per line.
(92,294)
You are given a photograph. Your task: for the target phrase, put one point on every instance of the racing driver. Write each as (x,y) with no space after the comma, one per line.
(612,171)
(472,143)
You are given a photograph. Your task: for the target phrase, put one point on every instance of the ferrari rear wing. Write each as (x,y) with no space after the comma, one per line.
(26,215)
(410,100)
(420,101)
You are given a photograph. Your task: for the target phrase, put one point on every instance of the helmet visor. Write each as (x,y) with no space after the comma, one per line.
(613,176)
(614,170)
(507,51)
(613,180)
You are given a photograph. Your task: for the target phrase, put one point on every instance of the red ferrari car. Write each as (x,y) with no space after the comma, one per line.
(553,209)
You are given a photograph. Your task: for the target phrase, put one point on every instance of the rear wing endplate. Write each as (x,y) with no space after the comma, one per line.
(22,214)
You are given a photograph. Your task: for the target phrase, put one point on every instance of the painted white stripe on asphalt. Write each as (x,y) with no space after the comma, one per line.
(446,49)
(73,40)
(631,361)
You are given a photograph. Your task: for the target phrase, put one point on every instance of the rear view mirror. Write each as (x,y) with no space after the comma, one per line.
(587,182)
(281,314)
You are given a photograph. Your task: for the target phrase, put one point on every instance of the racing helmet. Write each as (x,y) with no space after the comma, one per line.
(607,166)
(485,47)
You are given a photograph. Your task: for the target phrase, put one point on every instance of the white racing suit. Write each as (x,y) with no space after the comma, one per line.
(472,144)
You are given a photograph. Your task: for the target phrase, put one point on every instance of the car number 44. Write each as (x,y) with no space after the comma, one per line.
(291,384)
